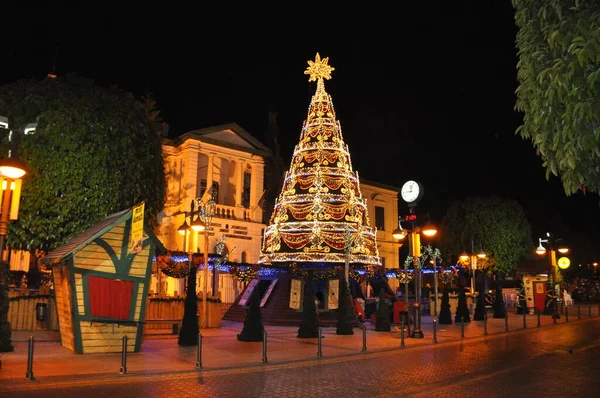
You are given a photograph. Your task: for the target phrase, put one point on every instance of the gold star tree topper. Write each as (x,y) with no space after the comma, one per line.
(319,69)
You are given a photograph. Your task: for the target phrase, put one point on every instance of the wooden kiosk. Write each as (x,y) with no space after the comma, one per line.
(101,284)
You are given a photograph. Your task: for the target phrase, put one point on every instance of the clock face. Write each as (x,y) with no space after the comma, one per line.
(410,191)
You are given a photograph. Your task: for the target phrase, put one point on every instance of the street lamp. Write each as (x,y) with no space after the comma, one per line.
(206,212)
(415,251)
(472,259)
(550,289)
(11,172)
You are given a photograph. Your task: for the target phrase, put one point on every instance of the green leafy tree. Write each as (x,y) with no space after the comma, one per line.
(559,85)
(498,225)
(95,151)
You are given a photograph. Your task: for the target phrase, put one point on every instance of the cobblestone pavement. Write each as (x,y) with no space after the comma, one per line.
(553,361)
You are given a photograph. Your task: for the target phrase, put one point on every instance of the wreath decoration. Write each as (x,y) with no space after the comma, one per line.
(404,277)
(446,277)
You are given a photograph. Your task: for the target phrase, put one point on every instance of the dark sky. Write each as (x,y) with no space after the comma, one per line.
(422,91)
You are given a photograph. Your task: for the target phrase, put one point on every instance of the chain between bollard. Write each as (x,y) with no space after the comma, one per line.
(124,357)
(485,332)
(402,334)
(364,338)
(199,353)
(319,347)
(462,327)
(264,354)
(434,330)
(29,374)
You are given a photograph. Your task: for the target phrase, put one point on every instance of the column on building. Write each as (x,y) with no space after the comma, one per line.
(209,177)
(239,188)
(256,189)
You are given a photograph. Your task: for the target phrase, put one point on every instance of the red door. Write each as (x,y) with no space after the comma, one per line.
(109,298)
(539,295)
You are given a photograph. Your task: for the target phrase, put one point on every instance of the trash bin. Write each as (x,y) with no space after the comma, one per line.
(40,311)
(399,307)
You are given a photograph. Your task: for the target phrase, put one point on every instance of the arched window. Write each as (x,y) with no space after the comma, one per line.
(244,257)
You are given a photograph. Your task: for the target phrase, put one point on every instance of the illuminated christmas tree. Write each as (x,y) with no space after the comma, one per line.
(320,210)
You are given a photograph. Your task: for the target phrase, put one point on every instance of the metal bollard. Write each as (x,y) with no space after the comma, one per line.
(539,323)
(124,357)
(364,334)
(264,357)
(462,327)
(401,334)
(29,374)
(524,321)
(485,332)
(590,310)
(505,320)
(319,350)
(578,311)
(567,313)
(434,330)
(199,353)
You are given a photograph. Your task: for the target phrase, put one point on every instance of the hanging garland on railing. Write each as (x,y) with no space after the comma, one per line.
(318,273)
(361,277)
(244,273)
(175,264)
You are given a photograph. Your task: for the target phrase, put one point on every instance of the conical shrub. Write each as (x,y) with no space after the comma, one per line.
(309,326)
(345,310)
(382,317)
(253,326)
(445,317)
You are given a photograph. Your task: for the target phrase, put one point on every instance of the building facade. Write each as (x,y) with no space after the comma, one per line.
(382,205)
(224,162)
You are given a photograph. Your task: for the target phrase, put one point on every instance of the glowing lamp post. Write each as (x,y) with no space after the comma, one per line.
(11,172)
(415,251)
(472,259)
(550,309)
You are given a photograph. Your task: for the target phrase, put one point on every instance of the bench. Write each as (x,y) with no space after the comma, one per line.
(176,323)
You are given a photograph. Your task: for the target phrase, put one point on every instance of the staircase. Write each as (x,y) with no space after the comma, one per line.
(277,311)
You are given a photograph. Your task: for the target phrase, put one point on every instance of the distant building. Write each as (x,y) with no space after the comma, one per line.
(382,205)
(224,161)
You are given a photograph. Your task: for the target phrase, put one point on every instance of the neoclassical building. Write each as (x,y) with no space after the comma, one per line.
(382,205)
(224,162)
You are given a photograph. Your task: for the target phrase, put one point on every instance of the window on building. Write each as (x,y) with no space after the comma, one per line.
(379,218)
(246,190)
(244,257)
(383,262)
(215,189)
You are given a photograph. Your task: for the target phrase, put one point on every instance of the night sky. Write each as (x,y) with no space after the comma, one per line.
(422,91)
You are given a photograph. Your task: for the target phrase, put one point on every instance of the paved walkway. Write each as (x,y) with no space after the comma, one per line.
(221,349)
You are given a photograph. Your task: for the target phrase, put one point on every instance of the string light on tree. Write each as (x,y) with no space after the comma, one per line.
(320,203)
